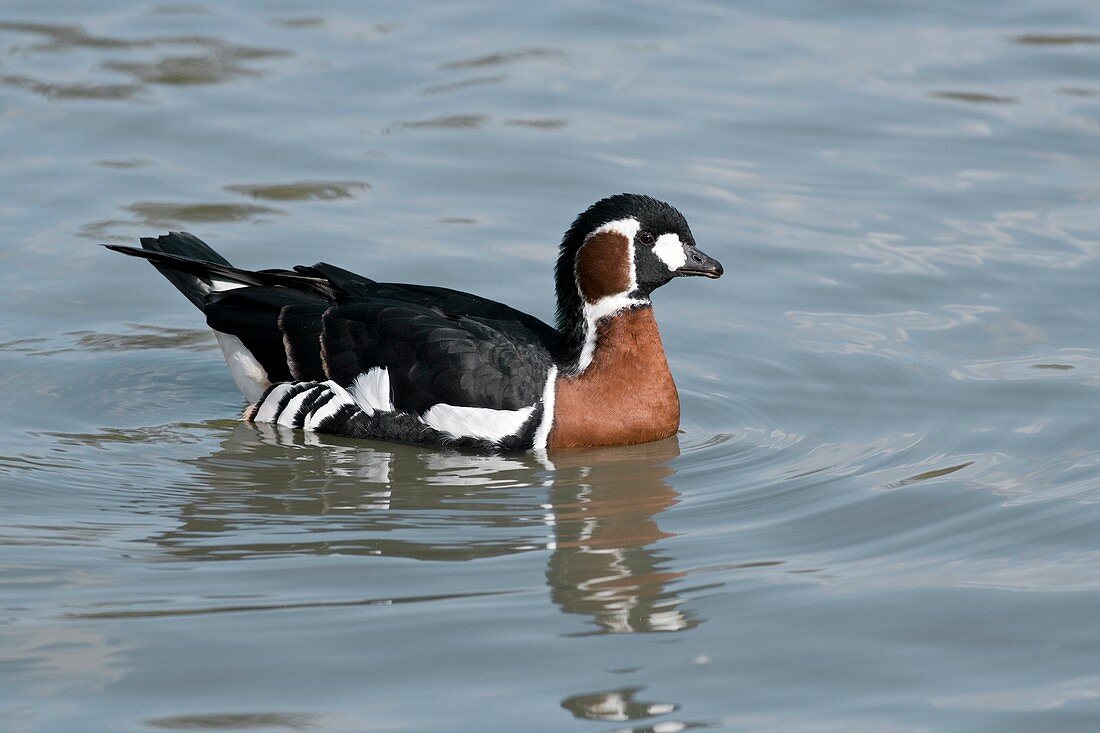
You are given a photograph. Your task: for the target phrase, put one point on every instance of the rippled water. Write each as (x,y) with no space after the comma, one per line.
(882,512)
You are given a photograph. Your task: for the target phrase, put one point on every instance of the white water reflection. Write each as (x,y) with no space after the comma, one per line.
(1044,697)
(594,513)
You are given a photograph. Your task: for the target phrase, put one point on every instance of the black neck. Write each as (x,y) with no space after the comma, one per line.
(571,327)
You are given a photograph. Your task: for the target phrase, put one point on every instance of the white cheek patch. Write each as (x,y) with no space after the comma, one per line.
(671,251)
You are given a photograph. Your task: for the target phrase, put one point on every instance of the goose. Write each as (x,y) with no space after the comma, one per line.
(323,349)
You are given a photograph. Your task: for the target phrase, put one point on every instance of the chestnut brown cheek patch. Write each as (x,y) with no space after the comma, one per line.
(603,266)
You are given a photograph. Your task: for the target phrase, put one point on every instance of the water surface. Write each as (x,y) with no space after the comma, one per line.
(882,512)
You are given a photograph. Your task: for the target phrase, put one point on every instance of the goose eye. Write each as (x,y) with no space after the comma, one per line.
(646,237)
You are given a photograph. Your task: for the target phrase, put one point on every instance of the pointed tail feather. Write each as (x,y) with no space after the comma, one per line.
(198,271)
(184,244)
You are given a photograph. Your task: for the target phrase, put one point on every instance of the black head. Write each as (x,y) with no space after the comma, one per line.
(626,245)
(614,256)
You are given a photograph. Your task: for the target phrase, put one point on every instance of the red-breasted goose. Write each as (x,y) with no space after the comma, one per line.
(323,349)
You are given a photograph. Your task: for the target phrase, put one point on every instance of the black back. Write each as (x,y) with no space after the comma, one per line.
(322,322)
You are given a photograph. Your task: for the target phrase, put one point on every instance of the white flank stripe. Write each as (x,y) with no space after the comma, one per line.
(542,434)
(250,377)
(340,398)
(372,391)
(329,409)
(476,422)
(286,417)
(341,394)
(671,251)
(266,411)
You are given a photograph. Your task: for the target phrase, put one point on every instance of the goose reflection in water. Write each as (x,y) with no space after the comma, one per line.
(595,511)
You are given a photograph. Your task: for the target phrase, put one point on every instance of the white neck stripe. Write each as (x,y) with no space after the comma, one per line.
(596,312)
(542,434)
(611,304)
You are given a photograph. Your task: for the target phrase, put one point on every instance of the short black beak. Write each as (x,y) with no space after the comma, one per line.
(700,264)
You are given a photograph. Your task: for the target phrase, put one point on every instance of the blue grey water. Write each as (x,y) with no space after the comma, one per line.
(882,512)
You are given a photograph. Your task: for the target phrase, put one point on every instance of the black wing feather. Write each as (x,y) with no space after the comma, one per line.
(300,326)
(252,315)
(323,322)
(433,357)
